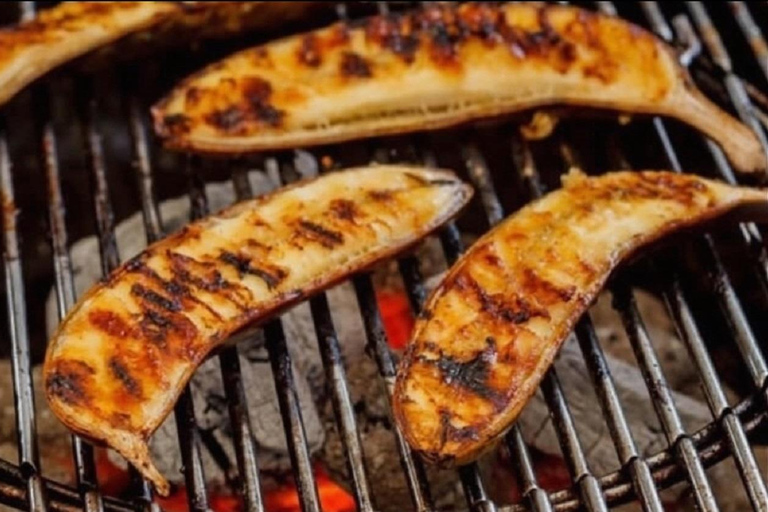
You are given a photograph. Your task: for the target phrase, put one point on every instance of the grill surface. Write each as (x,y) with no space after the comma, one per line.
(688,453)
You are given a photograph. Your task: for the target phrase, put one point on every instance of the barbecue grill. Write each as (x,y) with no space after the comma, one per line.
(534,169)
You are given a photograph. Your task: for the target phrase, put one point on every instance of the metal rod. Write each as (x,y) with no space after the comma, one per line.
(21,367)
(290,409)
(336,380)
(379,347)
(414,285)
(566,432)
(65,296)
(617,422)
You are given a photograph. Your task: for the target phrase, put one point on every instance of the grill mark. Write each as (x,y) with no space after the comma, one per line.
(344,209)
(535,284)
(322,235)
(155,328)
(355,65)
(229,119)
(68,382)
(515,309)
(381,195)
(309,51)
(155,298)
(121,372)
(175,286)
(450,433)
(110,323)
(245,267)
(176,125)
(471,375)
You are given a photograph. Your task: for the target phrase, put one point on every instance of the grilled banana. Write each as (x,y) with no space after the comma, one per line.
(118,362)
(491,329)
(437,67)
(71,29)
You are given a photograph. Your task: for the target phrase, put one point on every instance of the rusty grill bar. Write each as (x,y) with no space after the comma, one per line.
(641,479)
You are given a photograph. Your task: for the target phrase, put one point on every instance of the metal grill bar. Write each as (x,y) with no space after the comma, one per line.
(291,410)
(342,404)
(752,32)
(379,347)
(17,316)
(746,342)
(23,390)
(684,449)
(662,467)
(414,286)
(589,489)
(65,296)
(733,84)
(110,259)
(534,496)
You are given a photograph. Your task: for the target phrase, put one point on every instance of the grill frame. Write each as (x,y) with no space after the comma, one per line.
(687,455)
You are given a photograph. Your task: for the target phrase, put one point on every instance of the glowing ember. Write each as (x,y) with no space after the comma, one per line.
(332,497)
(397,317)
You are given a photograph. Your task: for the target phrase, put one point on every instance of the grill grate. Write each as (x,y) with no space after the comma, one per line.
(641,479)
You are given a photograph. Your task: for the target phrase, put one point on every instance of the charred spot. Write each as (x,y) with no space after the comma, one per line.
(155,298)
(245,267)
(344,209)
(110,323)
(395,33)
(339,35)
(121,373)
(425,314)
(228,119)
(381,195)
(257,93)
(450,433)
(353,64)
(155,326)
(192,96)
(603,71)
(135,264)
(534,283)
(483,20)
(425,182)
(516,310)
(431,346)
(472,374)
(180,267)
(309,51)
(69,381)
(176,124)
(328,238)
(120,420)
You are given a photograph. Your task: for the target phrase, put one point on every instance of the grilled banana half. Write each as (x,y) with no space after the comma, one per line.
(72,29)
(491,329)
(437,67)
(119,361)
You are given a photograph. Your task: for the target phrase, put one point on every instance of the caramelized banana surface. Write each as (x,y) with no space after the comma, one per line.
(72,29)
(492,328)
(119,361)
(440,66)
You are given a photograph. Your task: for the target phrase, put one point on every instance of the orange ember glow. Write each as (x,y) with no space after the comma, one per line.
(397,317)
(332,497)
(115,481)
